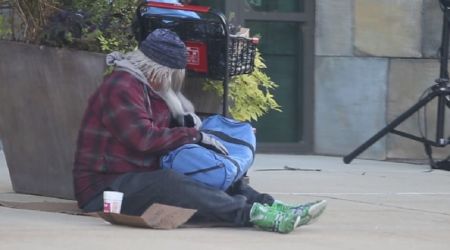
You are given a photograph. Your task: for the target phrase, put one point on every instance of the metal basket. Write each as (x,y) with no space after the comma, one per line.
(213,53)
(241,55)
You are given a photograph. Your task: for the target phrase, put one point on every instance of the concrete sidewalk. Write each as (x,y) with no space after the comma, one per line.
(372,205)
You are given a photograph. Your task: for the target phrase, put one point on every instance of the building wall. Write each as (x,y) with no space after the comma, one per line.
(373,60)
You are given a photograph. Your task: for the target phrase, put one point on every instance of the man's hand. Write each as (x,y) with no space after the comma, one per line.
(192,120)
(209,142)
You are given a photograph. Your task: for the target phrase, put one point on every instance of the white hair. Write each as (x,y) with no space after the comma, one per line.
(165,81)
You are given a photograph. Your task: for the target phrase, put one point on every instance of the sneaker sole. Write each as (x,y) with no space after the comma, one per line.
(315,211)
(294,226)
(297,221)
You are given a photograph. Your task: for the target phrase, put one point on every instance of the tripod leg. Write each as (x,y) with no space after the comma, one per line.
(348,158)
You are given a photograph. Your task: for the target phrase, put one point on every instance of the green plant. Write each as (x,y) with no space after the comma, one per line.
(106,25)
(250,94)
(72,29)
(100,26)
(113,19)
(33,16)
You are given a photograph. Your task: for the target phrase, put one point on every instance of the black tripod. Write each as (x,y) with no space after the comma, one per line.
(440,90)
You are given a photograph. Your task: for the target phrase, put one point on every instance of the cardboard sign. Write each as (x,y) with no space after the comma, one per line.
(157,216)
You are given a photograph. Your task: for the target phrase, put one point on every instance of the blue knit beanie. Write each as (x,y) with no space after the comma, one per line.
(166,48)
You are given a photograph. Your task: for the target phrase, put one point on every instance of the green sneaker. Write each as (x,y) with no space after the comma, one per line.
(269,219)
(309,212)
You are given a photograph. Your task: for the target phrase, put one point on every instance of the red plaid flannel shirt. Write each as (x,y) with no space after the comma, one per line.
(123,131)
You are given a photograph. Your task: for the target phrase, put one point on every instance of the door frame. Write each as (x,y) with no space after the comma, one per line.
(306,94)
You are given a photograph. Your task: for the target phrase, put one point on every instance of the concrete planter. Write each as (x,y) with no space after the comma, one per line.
(43,93)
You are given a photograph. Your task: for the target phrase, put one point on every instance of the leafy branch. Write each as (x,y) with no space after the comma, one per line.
(33,15)
(250,94)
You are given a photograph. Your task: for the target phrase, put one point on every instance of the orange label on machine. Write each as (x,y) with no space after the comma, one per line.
(197,59)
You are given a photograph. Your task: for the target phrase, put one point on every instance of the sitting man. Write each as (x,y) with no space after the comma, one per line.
(137,115)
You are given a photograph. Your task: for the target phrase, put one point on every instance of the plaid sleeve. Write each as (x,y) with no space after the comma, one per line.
(126,117)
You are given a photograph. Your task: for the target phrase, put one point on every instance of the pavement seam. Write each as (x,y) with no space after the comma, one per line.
(387,206)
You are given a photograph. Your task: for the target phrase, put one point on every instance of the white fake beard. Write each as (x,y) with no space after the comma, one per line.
(178,104)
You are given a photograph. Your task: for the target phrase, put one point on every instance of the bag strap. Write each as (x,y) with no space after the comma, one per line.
(204,170)
(230,139)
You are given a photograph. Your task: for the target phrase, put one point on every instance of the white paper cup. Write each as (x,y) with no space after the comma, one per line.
(112,202)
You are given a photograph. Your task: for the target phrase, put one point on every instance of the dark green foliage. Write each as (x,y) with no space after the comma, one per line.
(100,26)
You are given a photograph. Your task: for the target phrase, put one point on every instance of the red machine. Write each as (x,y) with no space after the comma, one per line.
(213,52)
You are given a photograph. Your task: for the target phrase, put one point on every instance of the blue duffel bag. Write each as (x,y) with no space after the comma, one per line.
(212,168)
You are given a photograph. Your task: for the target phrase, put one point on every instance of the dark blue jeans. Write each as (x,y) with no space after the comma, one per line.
(170,188)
